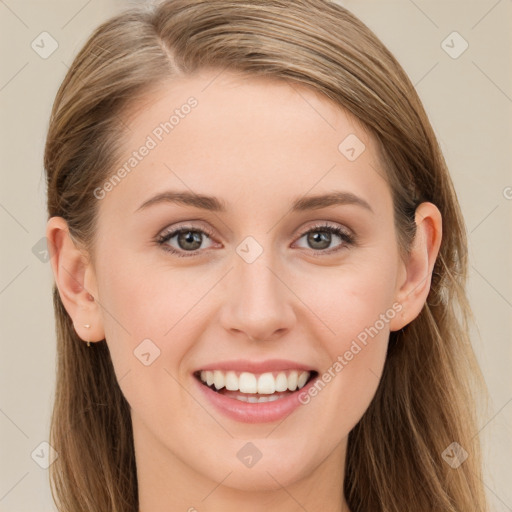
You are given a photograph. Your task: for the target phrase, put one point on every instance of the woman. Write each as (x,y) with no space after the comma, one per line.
(260,265)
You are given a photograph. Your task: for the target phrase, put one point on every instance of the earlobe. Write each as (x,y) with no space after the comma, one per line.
(70,266)
(413,291)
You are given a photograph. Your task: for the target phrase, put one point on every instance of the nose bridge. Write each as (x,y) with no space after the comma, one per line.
(259,304)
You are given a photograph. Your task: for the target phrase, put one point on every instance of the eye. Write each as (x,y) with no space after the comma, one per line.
(320,238)
(183,240)
(187,241)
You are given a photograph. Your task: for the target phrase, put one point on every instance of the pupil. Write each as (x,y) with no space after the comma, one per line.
(321,237)
(189,237)
(191,240)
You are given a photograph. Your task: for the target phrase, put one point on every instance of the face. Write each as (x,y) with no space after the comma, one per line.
(262,283)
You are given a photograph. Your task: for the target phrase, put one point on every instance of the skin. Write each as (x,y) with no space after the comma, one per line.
(257,145)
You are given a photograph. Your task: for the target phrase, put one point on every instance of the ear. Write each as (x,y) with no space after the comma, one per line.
(415,285)
(72,271)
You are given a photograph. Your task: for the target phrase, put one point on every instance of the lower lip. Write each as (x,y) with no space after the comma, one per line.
(246,412)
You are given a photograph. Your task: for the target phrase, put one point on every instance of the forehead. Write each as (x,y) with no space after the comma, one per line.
(245,139)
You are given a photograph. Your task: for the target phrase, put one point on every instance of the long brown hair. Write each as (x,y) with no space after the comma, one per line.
(423,403)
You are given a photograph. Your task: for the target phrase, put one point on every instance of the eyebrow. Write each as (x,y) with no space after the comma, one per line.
(332,199)
(188,199)
(213,204)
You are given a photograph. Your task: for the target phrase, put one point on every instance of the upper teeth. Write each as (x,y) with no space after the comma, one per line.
(265,383)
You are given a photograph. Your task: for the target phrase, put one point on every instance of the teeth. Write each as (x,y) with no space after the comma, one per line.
(301,381)
(292,380)
(247,383)
(281,382)
(218,379)
(231,381)
(264,384)
(208,378)
(255,399)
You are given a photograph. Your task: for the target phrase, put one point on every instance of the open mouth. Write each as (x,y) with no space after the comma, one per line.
(253,387)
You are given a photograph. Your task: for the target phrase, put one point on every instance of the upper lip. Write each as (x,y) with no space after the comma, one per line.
(244,365)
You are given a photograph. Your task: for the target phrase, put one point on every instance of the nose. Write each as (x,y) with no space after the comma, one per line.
(258,302)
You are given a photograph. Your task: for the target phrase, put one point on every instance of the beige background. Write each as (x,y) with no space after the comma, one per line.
(469,100)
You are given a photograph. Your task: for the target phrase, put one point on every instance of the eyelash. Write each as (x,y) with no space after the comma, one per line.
(348,239)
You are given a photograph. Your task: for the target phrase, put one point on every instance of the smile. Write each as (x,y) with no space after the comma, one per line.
(250,391)
(252,387)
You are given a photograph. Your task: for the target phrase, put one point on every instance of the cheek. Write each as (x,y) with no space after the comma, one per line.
(151,317)
(350,298)
(355,305)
